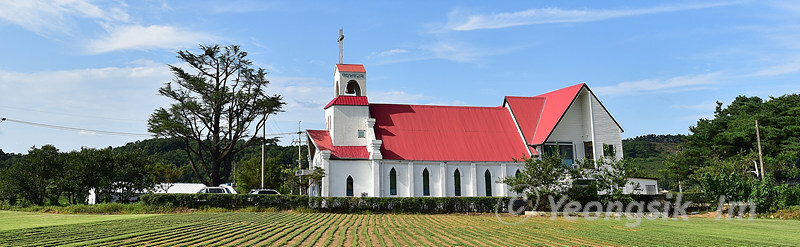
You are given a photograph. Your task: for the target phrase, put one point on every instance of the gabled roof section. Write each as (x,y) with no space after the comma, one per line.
(538,116)
(556,105)
(527,111)
(351,68)
(322,140)
(348,100)
(446,133)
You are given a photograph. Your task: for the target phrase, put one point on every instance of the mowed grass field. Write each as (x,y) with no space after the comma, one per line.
(319,229)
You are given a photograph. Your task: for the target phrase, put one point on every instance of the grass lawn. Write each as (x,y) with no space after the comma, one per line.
(10,220)
(319,229)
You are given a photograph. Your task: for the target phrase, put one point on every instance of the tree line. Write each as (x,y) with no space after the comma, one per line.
(720,155)
(47,176)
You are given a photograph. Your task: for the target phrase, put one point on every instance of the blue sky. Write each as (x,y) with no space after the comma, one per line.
(657,66)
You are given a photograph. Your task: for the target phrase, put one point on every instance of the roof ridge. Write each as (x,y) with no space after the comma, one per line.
(436,105)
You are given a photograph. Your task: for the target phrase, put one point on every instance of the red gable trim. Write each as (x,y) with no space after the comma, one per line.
(447,133)
(322,140)
(348,100)
(538,116)
(558,102)
(528,112)
(351,68)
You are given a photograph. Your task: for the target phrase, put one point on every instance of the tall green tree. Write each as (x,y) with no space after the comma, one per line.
(83,171)
(611,176)
(546,175)
(217,104)
(164,175)
(248,174)
(731,134)
(34,176)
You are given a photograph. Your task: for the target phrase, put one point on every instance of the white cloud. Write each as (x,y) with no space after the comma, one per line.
(48,18)
(455,51)
(556,15)
(397,97)
(670,85)
(386,53)
(696,117)
(781,69)
(703,106)
(135,37)
(45,17)
(110,98)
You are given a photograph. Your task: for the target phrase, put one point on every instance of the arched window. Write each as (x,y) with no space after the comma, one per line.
(488,181)
(353,88)
(457,182)
(426,183)
(349,186)
(517,174)
(393,182)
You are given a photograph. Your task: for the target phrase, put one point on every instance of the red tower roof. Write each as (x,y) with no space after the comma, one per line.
(351,68)
(322,140)
(348,100)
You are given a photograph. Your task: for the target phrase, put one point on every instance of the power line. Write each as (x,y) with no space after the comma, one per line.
(69,114)
(105,132)
(102,132)
(285,133)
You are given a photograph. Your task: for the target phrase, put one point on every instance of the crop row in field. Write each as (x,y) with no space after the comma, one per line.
(317,229)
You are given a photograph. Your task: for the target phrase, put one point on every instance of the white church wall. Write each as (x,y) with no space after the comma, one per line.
(606,130)
(433,179)
(511,170)
(495,170)
(401,168)
(466,180)
(347,120)
(570,129)
(360,170)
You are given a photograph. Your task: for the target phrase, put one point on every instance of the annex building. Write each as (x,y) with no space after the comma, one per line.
(388,150)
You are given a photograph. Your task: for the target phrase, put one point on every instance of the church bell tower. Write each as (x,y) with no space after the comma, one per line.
(350,79)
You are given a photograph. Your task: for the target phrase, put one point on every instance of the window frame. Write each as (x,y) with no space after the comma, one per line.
(457,182)
(349,187)
(362,134)
(393,182)
(426,183)
(487,176)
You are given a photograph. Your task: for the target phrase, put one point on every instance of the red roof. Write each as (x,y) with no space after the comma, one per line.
(458,133)
(351,68)
(447,133)
(538,116)
(322,140)
(348,100)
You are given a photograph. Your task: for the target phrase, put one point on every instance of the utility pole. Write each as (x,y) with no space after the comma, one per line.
(263,144)
(299,142)
(760,158)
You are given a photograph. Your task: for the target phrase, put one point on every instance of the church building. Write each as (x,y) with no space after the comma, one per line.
(398,150)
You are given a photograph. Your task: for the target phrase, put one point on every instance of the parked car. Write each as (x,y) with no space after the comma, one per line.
(264,192)
(213,190)
(221,189)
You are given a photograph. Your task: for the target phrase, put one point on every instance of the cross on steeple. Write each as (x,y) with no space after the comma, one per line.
(341,43)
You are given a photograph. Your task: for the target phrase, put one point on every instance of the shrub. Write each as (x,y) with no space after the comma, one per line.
(228,201)
(423,205)
(330,204)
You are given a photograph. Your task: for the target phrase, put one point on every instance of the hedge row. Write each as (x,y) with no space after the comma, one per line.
(332,204)
(426,205)
(282,202)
